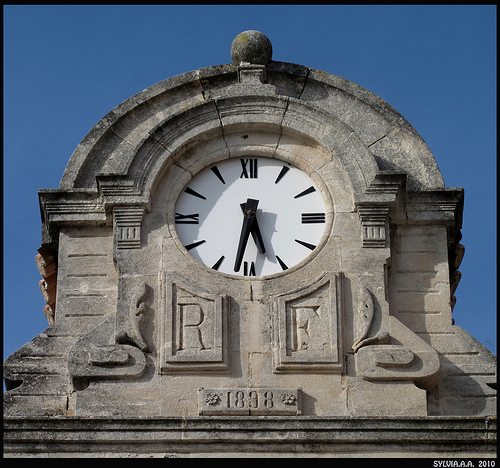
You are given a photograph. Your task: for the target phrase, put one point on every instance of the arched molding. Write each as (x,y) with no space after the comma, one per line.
(337,132)
(292,131)
(365,133)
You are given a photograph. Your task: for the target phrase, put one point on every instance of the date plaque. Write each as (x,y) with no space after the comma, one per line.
(249,401)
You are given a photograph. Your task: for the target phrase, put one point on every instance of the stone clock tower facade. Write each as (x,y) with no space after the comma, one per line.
(248,258)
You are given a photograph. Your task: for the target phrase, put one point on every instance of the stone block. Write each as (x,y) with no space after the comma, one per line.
(399,398)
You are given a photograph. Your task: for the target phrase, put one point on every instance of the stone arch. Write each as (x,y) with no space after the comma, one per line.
(282,135)
(136,139)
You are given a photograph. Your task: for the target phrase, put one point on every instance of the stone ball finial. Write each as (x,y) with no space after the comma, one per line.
(252,47)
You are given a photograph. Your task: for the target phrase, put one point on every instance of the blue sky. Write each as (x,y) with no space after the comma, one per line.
(65,67)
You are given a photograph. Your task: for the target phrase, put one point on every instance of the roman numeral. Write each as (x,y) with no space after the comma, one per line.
(194,193)
(305,192)
(194,244)
(305,244)
(310,218)
(248,168)
(218,263)
(282,263)
(247,271)
(216,171)
(187,219)
(284,170)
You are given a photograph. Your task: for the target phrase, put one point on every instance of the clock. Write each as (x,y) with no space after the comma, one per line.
(251,216)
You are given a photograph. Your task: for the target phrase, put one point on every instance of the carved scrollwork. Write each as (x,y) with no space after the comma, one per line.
(364,318)
(417,361)
(91,358)
(132,335)
(94,357)
(363,322)
(382,337)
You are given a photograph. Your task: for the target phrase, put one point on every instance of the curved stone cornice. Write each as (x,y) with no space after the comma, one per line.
(136,138)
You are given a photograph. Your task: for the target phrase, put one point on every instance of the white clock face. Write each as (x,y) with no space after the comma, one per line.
(250,216)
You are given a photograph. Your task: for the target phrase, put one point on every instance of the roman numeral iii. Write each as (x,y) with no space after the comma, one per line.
(311,218)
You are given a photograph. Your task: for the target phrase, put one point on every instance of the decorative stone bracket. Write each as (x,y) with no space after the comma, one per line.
(127,221)
(95,356)
(374,220)
(412,360)
(394,353)
(128,331)
(115,349)
(387,189)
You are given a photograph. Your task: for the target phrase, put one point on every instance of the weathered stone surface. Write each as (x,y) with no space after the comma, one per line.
(356,338)
(251,47)
(242,436)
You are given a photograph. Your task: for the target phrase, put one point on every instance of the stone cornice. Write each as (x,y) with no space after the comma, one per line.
(444,205)
(362,436)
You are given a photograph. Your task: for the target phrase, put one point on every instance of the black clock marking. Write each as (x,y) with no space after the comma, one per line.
(311,189)
(216,171)
(282,263)
(187,219)
(249,225)
(255,231)
(305,244)
(244,172)
(310,218)
(248,168)
(194,244)
(284,170)
(218,263)
(194,193)
(248,272)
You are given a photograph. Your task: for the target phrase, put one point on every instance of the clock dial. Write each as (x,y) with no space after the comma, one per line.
(250,216)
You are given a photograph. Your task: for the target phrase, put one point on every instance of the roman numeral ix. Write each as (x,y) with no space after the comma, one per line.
(187,219)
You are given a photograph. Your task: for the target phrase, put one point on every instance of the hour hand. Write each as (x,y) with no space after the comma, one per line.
(249,213)
(257,236)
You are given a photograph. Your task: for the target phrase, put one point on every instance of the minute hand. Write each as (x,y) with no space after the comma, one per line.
(248,222)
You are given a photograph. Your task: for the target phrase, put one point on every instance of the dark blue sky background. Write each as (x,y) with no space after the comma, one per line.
(65,67)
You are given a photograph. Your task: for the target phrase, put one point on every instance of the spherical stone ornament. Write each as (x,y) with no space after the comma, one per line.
(252,47)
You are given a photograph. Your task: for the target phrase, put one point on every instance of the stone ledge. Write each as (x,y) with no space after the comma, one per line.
(219,434)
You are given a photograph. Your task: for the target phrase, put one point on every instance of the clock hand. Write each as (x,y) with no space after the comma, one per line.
(257,236)
(248,222)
